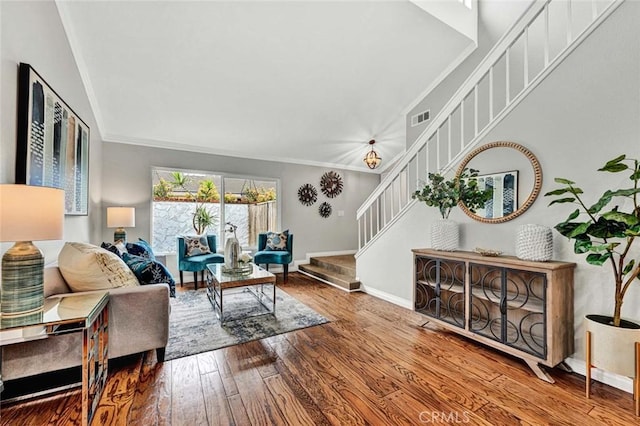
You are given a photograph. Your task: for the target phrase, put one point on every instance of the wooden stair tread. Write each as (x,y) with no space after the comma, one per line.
(343,264)
(342,280)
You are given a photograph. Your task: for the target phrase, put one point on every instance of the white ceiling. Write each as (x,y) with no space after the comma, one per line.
(309,82)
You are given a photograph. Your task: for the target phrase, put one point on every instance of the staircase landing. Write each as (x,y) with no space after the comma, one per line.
(339,271)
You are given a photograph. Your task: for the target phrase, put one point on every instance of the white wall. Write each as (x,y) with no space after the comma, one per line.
(127,181)
(32,33)
(584,114)
(495,17)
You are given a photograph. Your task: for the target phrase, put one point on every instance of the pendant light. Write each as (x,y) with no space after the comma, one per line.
(372,159)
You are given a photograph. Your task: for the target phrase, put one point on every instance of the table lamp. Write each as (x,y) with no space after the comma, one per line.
(27,213)
(119,217)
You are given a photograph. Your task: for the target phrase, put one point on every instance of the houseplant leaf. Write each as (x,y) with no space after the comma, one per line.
(609,234)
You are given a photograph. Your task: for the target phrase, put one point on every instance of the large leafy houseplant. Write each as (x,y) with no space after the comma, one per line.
(606,230)
(445,194)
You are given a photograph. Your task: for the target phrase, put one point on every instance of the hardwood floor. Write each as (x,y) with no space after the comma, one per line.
(372,364)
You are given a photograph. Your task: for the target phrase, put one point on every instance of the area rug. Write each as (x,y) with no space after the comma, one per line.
(194,327)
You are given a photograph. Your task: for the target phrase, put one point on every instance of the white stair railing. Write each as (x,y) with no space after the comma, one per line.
(538,42)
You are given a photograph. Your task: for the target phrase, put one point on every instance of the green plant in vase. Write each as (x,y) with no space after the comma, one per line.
(606,232)
(445,194)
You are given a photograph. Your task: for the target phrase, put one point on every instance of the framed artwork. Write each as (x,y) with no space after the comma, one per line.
(53,142)
(505,194)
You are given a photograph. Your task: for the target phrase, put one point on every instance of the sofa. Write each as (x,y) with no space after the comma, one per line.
(138,322)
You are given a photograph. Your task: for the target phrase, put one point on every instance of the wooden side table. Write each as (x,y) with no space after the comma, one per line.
(84,313)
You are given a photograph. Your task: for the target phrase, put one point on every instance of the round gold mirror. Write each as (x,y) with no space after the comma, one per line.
(512,172)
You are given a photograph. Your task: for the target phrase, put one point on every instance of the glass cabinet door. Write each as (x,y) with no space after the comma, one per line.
(440,289)
(509,306)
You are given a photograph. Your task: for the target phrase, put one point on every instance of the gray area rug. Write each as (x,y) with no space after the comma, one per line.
(194,327)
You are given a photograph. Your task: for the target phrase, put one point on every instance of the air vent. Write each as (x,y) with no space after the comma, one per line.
(419,118)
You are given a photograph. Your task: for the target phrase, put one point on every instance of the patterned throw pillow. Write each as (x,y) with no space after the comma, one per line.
(196,245)
(141,248)
(149,271)
(277,241)
(112,248)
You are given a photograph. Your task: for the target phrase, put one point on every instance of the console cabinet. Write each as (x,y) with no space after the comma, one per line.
(519,307)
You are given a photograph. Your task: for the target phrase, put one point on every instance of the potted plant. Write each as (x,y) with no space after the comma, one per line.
(445,194)
(606,232)
(202,218)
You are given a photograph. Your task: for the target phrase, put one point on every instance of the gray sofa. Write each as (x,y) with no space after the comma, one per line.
(138,322)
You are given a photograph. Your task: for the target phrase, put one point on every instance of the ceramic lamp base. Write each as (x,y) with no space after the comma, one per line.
(22,290)
(120,235)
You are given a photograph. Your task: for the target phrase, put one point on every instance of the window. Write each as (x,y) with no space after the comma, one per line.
(189,202)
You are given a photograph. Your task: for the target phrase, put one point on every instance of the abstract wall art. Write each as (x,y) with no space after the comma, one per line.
(53,142)
(505,194)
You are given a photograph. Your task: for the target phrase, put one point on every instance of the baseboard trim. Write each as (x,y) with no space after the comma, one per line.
(386,296)
(615,380)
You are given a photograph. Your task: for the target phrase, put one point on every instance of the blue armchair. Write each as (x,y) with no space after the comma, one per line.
(279,257)
(199,262)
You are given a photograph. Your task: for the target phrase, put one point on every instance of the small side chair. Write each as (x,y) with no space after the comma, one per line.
(264,256)
(199,262)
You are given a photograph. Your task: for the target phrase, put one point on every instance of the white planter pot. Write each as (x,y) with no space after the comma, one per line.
(612,348)
(445,234)
(535,242)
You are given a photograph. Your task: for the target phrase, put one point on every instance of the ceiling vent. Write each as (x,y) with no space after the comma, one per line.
(419,118)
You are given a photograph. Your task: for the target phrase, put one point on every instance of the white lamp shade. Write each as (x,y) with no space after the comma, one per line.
(31,213)
(121,217)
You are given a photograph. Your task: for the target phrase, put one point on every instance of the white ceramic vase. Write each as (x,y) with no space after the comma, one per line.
(445,235)
(612,348)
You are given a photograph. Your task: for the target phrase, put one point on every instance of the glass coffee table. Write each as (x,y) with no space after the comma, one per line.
(254,280)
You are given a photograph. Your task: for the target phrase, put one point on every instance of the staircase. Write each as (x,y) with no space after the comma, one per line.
(339,271)
(536,44)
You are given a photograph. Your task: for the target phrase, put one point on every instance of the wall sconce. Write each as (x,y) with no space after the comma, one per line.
(121,217)
(27,213)
(372,159)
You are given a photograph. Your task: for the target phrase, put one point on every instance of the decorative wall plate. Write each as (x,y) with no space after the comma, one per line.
(331,184)
(307,194)
(325,209)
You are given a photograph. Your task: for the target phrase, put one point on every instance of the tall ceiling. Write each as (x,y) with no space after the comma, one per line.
(309,82)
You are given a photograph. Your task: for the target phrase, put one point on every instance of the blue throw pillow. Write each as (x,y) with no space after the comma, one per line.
(112,248)
(149,271)
(277,241)
(142,249)
(146,245)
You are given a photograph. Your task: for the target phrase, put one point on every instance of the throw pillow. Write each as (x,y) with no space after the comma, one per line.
(277,241)
(196,245)
(86,267)
(112,248)
(149,271)
(147,246)
(141,249)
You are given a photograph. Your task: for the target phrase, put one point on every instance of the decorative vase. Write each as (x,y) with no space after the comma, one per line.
(445,235)
(612,348)
(231,253)
(534,242)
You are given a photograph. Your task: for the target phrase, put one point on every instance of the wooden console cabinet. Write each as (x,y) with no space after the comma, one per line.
(519,307)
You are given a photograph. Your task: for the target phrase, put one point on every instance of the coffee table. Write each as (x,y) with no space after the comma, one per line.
(217,281)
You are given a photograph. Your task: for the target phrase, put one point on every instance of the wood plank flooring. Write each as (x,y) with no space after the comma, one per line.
(372,364)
